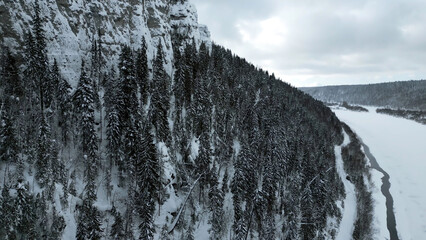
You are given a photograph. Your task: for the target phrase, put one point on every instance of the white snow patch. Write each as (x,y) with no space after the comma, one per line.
(349,203)
(202,229)
(380,229)
(195,147)
(331,226)
(236,147)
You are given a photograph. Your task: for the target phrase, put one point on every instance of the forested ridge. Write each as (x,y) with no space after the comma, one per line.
(134,153)
(404,94)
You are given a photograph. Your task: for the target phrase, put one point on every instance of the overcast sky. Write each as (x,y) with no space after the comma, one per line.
(323,42)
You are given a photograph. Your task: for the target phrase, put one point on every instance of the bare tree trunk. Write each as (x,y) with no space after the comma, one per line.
(143,9)
(183,206)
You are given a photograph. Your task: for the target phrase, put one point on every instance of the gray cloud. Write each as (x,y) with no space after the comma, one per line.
(221,16)
(309,42)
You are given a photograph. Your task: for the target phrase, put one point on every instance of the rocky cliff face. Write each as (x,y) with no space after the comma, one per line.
(71,25)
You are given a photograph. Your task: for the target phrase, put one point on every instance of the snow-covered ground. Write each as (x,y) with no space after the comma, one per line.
(399,146)
(380,225)
(349,204)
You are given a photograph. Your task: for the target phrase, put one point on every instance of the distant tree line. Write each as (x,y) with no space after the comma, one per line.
(418,116)
(354,108)
(406,94)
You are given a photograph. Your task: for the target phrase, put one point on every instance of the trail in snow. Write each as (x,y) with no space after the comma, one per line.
(349,204)
(399,146)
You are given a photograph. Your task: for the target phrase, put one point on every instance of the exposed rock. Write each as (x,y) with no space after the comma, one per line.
(71,25)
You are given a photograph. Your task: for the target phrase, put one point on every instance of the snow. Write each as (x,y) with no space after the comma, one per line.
(202,229)
(349,203)
(331,226)
(70,27)
(70,220)
(237,147)
(195,147)
(399,145)
(380,229)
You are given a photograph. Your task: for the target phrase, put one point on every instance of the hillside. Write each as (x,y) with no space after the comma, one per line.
(406,95)
(122,120)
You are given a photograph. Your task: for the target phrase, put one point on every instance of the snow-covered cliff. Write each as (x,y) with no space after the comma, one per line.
(71,25)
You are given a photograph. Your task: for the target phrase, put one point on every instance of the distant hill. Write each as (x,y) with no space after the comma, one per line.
(407,94)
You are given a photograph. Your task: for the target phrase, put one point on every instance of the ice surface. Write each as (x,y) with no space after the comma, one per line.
(399,145)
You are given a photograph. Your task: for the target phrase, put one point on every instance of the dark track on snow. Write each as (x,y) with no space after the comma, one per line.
(390,215)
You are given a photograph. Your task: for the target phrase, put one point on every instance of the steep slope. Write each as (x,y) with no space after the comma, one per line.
(105,136)
(72,25)
(407,94)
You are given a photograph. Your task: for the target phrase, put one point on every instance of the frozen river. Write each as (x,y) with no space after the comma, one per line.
(399,146)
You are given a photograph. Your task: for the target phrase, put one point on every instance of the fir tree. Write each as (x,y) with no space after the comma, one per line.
(189,72)
(160,98)
(9,148)
(132,143)
(179,79)
(146,207)
(115,126)
(244,183)
(142,72)
(44,155)
(148,183)
(149,171)
(225,186)
(63,102)
(89,222)
(201,107)
(269,227)
(11,82)
(41,206)
(165,233)
(58,225)
(117,231)
(23,210)
(40,60)
(114,138)
(204,57)
(30,78)
(203,161)
(216,220)
(95,70)
(240,229)
(189,235)
(83,100)
(269,186)
(128,86)
(31,111)
(112,90)
(7,221)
